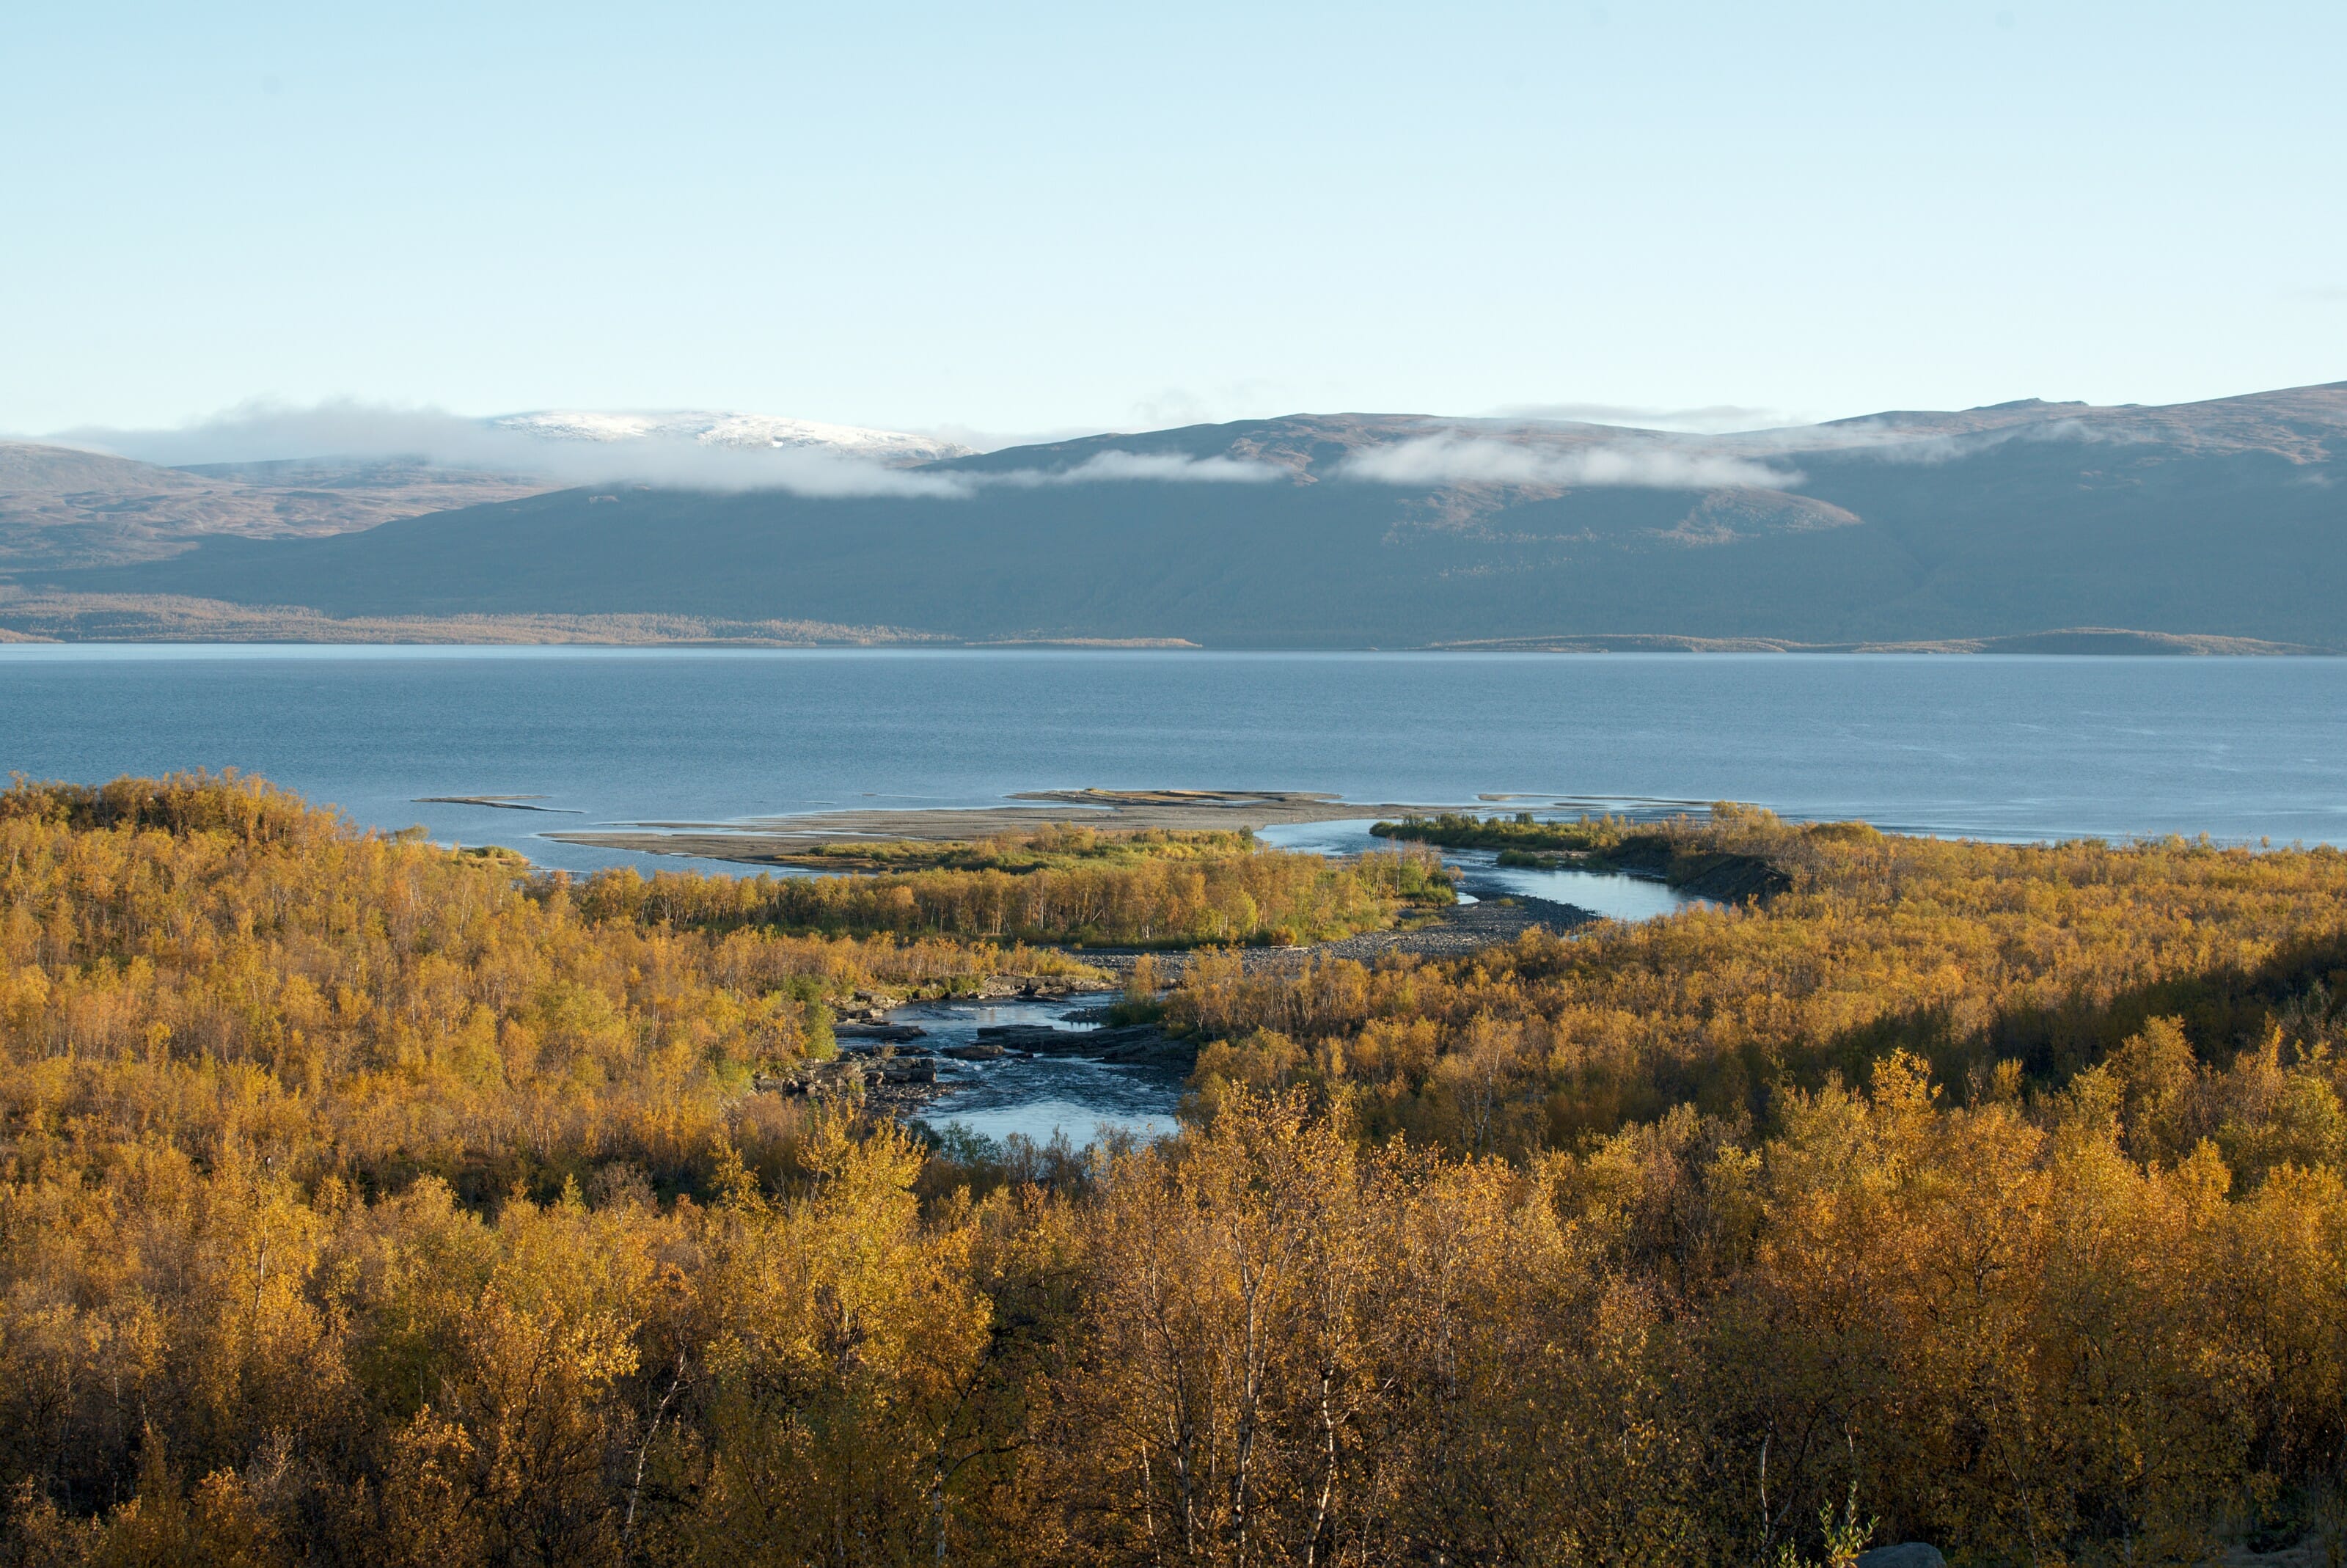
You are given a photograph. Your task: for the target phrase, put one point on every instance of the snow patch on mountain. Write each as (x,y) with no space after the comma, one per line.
(740,432)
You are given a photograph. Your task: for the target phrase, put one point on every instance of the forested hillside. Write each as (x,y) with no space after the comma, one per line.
(363,1200)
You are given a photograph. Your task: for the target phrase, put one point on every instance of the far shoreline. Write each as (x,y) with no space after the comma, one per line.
(2134,649)
(49,619)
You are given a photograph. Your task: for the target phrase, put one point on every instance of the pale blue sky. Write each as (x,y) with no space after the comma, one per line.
(1032,218)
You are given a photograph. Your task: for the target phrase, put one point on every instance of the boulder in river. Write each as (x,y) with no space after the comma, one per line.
(878,1031)
(1906,1554)
(839,1078)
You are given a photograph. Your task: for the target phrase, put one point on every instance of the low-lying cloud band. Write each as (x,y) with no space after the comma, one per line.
(346,430)
(1436,460)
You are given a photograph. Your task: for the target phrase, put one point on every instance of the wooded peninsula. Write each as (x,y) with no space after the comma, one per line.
(367,1201)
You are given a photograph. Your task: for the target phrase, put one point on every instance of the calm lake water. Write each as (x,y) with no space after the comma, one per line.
(1996,747)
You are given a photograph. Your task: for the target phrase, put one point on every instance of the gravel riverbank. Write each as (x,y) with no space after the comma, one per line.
(1497,915)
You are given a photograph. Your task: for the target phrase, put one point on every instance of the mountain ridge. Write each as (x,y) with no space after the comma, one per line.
(63,506)
(70,503)
(2223,519)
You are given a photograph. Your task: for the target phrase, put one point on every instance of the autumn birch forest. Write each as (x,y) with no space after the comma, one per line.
(364,1201)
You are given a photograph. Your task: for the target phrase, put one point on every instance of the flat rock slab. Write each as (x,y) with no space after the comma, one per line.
(1140,1044)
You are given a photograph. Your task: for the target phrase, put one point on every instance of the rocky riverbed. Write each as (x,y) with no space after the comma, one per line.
(1039,1060)
(1033,1065)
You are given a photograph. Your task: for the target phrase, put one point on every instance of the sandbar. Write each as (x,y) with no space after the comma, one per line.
(786,840)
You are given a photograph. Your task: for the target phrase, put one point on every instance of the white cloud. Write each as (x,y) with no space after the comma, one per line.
(678,451)
(1436,460)
(1888,441)
(1178,467)
(263,432)
(699,452)
(982,440)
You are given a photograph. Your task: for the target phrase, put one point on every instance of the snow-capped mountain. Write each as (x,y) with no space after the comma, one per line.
(754,432)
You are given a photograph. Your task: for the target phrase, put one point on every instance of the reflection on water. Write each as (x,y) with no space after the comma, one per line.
(1351,837)
(1038,1097)
(1608,892)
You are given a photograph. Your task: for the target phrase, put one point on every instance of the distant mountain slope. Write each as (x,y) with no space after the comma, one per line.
(71,507)
(60,507)
(2226,518)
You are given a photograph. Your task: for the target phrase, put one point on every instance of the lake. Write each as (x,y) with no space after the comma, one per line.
(2011,748)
